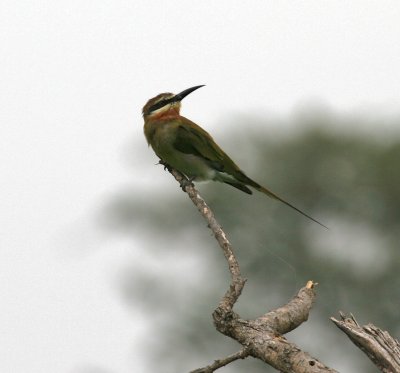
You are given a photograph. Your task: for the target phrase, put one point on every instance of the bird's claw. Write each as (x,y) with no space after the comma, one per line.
(185,182)
(166,166)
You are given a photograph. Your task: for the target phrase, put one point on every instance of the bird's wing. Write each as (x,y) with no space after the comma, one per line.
(192,139)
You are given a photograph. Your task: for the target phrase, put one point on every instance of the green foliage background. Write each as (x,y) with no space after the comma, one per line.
(349,182)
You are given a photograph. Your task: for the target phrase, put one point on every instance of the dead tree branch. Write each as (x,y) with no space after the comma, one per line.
(263,337)
(381,348)
(242,354)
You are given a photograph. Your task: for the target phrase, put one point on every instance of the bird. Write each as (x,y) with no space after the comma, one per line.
(188,148)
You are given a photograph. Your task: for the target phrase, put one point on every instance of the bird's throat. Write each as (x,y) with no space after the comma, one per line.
(170,114)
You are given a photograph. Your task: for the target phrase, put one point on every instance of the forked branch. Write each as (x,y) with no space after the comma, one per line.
(263,337)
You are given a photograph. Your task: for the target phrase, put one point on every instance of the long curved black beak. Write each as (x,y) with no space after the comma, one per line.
(183,94)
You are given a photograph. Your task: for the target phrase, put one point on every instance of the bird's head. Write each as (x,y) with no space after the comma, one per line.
(166,103)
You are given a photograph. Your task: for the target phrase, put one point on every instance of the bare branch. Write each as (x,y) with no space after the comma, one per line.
(261,338)
(382,349)
(262,335)
(238,282)
(242,354)
(290,316)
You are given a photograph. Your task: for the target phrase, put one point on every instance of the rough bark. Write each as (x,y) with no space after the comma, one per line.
(381,348)
(262,338)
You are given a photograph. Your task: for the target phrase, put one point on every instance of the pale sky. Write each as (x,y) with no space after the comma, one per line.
(74,76)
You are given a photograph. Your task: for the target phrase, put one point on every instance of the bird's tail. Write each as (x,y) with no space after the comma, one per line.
(273,195)
(260,188)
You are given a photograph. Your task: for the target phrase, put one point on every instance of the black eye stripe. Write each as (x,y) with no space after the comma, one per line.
(160,104)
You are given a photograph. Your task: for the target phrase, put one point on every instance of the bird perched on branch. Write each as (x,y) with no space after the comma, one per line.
(185,146)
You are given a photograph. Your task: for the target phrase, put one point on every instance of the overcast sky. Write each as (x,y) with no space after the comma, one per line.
(74,76)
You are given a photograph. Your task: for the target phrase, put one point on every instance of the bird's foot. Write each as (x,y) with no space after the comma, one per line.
(166,165)
(185,182)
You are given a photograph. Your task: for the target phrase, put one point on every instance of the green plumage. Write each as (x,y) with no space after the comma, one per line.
(187,147)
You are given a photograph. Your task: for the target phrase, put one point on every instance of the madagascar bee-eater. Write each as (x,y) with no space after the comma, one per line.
(185,146)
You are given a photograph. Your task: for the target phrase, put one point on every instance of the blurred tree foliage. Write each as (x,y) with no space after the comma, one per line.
(350,183)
